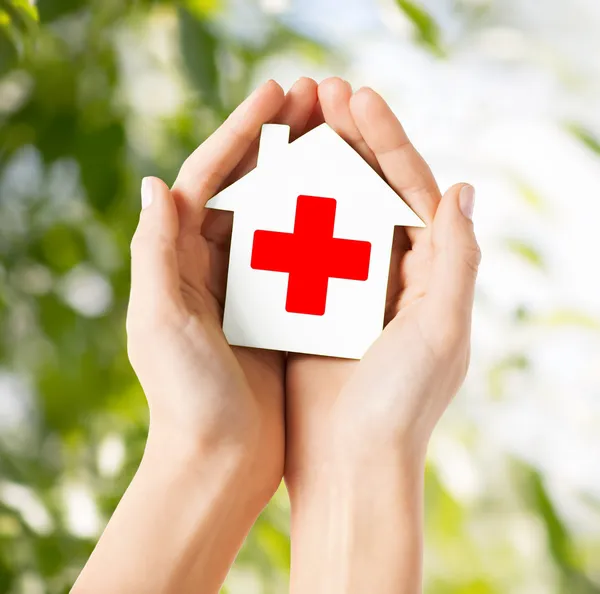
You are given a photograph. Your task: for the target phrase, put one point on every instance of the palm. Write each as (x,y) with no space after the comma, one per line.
(203,256)
(258,374)
(409,271)
(314,382)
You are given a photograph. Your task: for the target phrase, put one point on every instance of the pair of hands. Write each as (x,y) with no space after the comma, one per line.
(291,414)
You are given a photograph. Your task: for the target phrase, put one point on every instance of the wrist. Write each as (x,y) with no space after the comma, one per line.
(185,514)
(352,472)
(343,458)
(367,514)
(232,468)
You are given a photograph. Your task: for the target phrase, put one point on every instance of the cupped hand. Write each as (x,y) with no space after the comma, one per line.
(203,394)
(395,395)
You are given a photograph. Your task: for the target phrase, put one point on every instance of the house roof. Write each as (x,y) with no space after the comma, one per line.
(323,153)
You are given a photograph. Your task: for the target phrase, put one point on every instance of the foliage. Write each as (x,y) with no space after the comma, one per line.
(94,94)
(18,20)
(428,32)
(586,137)
(69,203)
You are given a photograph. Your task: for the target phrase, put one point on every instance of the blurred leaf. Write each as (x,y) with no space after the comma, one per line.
(499,371)
(588,138)
(444,512)
(25,10)
(526,252)
(61,247)
(18,22)
(202,8)
(8,45)
(569,317)
(428,32)
(19,14)
(50,10)
(531,196)
(101,154)
(478,586)
(275,543)
(199,48)
(560,544)
(7,576)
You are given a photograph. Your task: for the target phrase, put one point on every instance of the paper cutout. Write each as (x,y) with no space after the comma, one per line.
(311,255)
(310,247)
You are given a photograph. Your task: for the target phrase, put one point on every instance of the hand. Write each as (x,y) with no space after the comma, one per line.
(214,454)
(357,431)
(397,392)
(203,394)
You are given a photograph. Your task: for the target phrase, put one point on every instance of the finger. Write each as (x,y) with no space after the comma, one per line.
(208,166)
(404,168)
(300,101)
(334,98)
(299,104)
(456,257)
(297,108)
(154,269)
(316,117)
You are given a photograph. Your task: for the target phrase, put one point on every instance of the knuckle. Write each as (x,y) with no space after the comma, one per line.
(197,181)
(472,258)
(210,181)
(139,242)
(240,134)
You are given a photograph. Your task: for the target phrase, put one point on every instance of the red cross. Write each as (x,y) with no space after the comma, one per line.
(311,255)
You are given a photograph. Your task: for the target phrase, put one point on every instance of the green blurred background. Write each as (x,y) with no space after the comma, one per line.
(95,94)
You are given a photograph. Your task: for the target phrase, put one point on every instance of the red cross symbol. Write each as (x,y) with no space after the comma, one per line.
(311,255)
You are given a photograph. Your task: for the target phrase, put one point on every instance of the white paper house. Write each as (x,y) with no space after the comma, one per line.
(310,248)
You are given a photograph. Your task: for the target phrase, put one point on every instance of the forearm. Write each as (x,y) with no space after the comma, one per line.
(177,528)
(357,527)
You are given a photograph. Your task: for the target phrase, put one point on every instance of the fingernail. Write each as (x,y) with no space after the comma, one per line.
(467,201)
(146,192)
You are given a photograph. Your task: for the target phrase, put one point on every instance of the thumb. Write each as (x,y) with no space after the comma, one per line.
(456,259)
(154,264)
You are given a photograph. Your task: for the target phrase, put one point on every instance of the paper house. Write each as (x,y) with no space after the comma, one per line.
(310,249)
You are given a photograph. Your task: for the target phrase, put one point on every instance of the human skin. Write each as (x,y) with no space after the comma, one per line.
(357,431)
(215,449)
